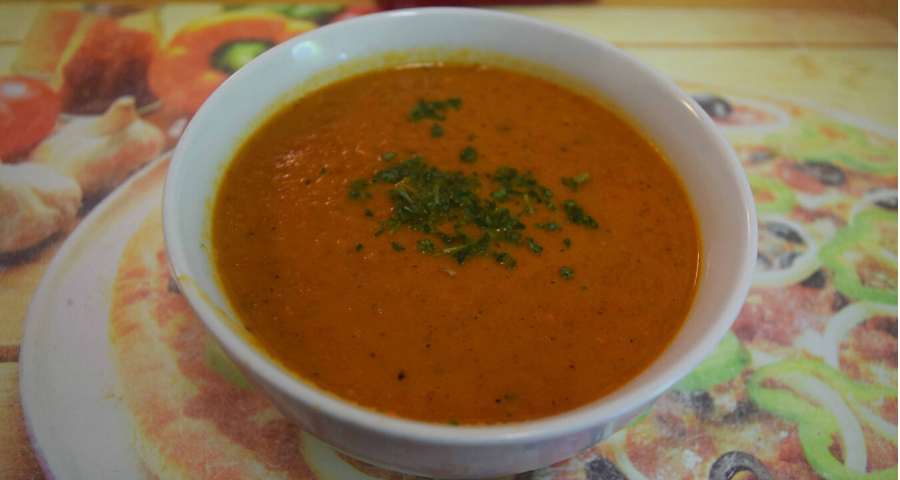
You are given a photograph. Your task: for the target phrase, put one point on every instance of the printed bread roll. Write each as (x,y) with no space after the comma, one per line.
(35,202)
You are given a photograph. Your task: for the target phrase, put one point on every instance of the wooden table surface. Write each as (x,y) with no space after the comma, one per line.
(848,62)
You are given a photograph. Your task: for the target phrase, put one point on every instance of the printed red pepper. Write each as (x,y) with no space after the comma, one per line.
(207,51)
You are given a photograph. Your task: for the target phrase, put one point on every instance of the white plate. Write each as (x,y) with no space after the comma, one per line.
(66,377)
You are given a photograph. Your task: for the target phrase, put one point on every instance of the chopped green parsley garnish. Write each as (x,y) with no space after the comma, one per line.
(550,226)
(468,155)
(453,422)
(359,189)
(512,183)
(322,170)
(576,214)
(433,110)
(574,182)
(566,273)
(426,245)
(567,242)
(534,246)
(449,205)
(359,247)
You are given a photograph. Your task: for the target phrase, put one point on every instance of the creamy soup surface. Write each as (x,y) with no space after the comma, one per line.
(456,244)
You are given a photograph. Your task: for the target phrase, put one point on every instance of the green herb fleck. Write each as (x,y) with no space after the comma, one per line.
(477,247)
(437,131)
(471,137)
(468,155)
(368,213)
(453,422)
(426,245)
(358,247)
(574,182)
(322,170)
(550,226)
(448,239)
(510,396)
(534,246)
(576,215)
(500,195)
(387,157)
(513,183)
(584,288)
(566,273)
(359,189)
(397,247)
(567,242)
(528,206)
(433,110)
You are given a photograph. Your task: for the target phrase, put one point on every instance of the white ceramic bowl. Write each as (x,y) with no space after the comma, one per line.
(667,116)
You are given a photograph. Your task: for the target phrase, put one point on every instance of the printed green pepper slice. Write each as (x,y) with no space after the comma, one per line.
(727,361)
(839,143)
(881,162)
(863,257)
(821,401)
(771,195)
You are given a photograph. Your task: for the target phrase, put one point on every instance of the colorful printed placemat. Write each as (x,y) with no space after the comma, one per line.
(804,386)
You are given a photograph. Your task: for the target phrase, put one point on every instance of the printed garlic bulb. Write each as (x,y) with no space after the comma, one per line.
(102,152)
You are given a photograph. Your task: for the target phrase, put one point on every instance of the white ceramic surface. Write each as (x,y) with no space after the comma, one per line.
(67,381)
(711,173)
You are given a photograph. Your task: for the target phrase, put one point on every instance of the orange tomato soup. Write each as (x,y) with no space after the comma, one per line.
(375,239)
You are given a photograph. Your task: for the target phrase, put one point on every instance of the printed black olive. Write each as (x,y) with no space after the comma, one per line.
(822,171)
(784,232)
(602,469)
(699,400)
(732,463)
(889,203)
(743,412)
(172,286)
(839,301)
(887,325)
(816,280)
(764,261)
(786,259)
(714,106)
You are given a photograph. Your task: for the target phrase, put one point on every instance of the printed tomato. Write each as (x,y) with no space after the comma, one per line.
(28,111)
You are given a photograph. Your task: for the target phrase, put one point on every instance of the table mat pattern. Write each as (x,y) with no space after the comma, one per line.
(804,386)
